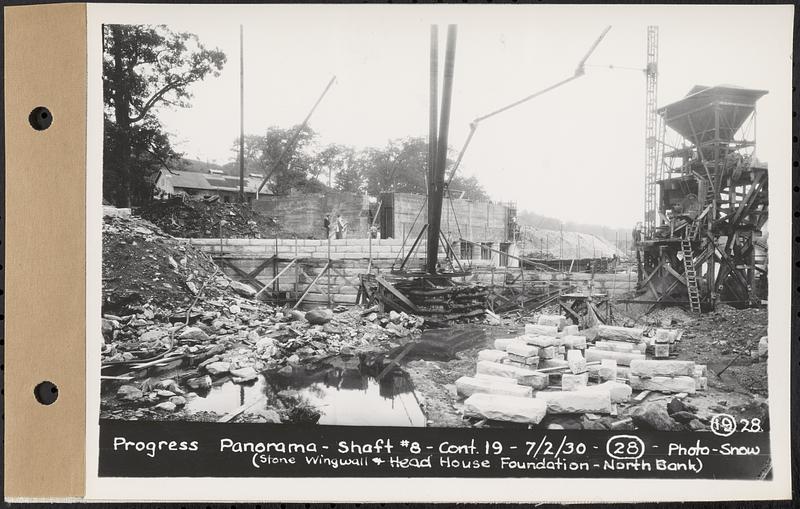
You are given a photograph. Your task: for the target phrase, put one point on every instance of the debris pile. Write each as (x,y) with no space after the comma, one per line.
(208,219)
(173,324)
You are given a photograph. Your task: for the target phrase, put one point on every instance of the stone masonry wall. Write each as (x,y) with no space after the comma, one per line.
(351,257)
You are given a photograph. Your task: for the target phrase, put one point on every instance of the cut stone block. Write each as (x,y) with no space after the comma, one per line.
(607,370)
(700,370)
(650,368)
(540,341)
(620,392)
(495,379)
(547,352)
(571,330)
(616,346)
(575,342)
(540,330)
(521,349)
(576,362)
(701,383)
(528,362)
(667,384)
(492,355)
(552,363)
(572,382)
(557,321)
(505,408)
(613,333)
(523,376)
(661,350)
(502,343)
(467,386)
(594,371)
(576,402)
(622,358)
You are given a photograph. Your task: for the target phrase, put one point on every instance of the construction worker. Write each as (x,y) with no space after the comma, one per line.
(341,227)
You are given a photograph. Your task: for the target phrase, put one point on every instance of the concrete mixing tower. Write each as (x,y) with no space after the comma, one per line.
(712,204)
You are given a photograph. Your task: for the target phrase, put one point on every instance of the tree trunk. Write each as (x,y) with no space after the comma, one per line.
(122,155)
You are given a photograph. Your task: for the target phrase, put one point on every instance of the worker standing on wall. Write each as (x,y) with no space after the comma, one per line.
(327,224)
(341,227)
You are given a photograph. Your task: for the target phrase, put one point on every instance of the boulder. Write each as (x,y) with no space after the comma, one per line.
(492,355)
(762,347)
(523,376)
(218,368)
(505,408)
(152,335)
(622,358)
(319,316)
(244,374)
(650,368)
(540,330)
(177,400)
(664,384)
(654,416)
(466,386)
(243,289)
(202,382)
(129,393)
(166,406)
(394,316)
(683,416)
(576,402)
(193,333)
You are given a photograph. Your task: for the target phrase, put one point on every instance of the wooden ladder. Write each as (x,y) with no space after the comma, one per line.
(688,266)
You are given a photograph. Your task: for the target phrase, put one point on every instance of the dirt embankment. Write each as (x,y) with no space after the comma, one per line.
(205,219)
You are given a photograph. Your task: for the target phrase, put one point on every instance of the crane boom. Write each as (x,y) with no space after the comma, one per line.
(473,126)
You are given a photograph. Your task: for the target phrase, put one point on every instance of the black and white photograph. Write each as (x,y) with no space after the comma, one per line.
(530,221)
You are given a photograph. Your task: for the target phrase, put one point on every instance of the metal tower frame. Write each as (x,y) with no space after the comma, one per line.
(651,130)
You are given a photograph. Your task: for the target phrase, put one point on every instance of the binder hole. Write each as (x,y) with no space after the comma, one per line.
(40,118)
(46,393)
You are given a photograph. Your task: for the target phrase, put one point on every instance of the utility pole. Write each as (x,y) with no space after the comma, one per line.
(241,113)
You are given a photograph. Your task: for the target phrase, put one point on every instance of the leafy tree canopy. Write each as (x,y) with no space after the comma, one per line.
(145,67)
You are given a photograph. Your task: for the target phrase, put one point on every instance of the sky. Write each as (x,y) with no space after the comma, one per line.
(575,153)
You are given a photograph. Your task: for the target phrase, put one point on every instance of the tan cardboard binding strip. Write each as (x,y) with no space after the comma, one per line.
(45,65)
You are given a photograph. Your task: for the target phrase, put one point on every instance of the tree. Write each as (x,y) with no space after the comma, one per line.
(295,170)
(402,167)
(145,67)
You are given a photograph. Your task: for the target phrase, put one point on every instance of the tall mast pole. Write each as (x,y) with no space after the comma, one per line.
(435,198)
(433,128)
(241,114)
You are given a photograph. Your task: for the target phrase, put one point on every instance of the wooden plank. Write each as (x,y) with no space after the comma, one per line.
(233,414)
(388,286)
(395,361)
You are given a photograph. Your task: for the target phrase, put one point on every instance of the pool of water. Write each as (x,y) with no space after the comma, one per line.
(344,390)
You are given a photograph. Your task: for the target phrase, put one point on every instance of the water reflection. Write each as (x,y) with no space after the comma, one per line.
(344,389)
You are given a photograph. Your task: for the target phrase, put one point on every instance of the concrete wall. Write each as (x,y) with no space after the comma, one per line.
(476,221)
(350,257)
(304,214)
